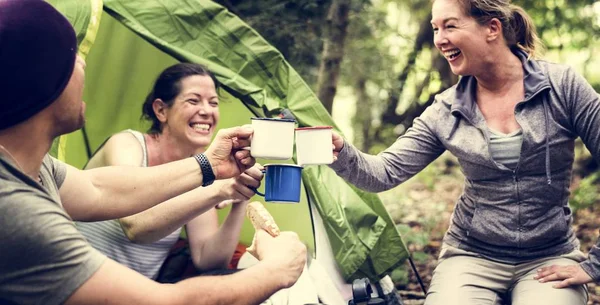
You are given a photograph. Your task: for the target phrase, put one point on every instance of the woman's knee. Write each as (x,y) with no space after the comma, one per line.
(533,292)
(465,280)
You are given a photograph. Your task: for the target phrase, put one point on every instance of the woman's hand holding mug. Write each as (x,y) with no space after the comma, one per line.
(337,144)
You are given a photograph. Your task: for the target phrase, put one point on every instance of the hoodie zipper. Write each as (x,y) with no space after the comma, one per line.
(515,171)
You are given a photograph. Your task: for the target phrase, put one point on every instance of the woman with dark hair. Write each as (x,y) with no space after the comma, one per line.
(512,122)
(183,108)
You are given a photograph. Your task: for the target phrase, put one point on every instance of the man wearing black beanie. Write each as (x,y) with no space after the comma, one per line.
(44,259)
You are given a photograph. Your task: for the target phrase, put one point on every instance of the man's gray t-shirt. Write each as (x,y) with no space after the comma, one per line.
(43,258)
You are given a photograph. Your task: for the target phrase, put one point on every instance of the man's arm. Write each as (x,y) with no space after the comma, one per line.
(282,261)
(115,192)
(151,225)
(115,284)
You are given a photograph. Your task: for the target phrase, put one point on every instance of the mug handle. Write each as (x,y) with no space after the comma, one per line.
(257,192)
(264,171)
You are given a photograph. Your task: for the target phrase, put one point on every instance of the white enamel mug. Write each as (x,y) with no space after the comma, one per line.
(272,138)
(313,145)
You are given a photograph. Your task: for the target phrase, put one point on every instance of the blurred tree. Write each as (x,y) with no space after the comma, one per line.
(294,27)
(567,27)
(366,68)
(389,60)
(333,51)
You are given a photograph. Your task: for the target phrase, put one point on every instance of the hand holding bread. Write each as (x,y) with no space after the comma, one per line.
(261,219)
(282,250)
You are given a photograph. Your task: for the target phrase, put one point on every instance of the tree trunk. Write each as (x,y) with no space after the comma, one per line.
(363,117)
(333,52)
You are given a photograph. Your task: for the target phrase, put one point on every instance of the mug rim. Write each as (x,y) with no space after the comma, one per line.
(273,119)
(314,128)
(282,164)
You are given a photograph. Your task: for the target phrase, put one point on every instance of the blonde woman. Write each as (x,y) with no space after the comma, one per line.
(511,121)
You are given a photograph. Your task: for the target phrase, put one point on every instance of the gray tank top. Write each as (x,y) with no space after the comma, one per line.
(506,148)
(108,237)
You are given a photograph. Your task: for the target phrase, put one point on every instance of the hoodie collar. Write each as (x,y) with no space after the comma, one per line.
(534,81)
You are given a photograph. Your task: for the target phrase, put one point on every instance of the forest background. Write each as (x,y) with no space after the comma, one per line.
(374,67)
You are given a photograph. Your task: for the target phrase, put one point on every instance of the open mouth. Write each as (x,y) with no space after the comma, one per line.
(200,127)
(452,54)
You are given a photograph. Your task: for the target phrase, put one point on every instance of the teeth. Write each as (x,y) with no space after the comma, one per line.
(203,127)
(451,53)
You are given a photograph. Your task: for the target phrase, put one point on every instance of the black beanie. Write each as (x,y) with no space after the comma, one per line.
(37,55)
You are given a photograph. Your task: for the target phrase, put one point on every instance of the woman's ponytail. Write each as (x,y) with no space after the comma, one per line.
(525,34)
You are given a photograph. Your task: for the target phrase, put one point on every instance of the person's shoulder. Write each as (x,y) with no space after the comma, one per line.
(13,184)
(550,65)
(41,244)
(555,71)
(124,140)
(122,148)
(11,187)
(17,197)
(448,95)
(443,101)
(50,163)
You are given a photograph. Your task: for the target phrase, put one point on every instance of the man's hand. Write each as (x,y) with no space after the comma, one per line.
(567,275)
(285,252)
(240,188)
(226,155)
(337,143)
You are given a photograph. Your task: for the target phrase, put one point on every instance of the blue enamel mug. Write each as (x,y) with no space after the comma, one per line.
(282,183)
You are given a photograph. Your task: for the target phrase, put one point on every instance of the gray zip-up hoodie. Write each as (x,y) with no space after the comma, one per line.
(503,214)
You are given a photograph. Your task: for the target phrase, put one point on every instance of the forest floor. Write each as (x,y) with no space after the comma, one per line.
(422,207)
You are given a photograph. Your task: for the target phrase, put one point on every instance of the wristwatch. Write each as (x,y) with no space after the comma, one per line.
(208,176)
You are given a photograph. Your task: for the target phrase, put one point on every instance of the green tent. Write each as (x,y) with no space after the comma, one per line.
(128,42)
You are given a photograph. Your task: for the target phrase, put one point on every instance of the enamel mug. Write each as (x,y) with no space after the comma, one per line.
(282,183)
(272,138)
(313,145)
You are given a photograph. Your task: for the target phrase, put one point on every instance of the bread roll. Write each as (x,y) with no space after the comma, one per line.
(261,219)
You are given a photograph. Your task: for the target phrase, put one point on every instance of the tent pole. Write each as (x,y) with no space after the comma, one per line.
(86,140)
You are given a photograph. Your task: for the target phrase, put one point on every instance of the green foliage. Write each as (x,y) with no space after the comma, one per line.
(564,24)
(401,276)
(410,237)
(586,193)
(385,132)
(415,241)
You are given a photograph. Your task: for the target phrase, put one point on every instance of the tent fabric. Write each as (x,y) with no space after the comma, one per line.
(85,17)
(121,68)
(364,239)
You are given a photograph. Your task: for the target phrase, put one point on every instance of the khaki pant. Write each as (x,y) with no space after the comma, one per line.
(465,278)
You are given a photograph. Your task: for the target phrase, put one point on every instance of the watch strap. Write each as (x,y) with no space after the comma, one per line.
(208,176)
